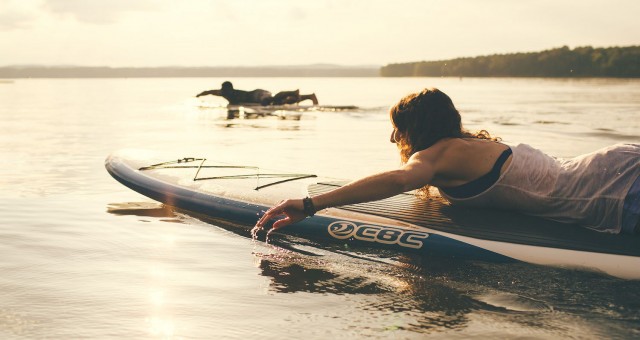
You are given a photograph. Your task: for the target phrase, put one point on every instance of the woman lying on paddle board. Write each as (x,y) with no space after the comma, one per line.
(599,190)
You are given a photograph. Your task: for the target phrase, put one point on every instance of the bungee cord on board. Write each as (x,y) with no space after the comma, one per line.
(257,175)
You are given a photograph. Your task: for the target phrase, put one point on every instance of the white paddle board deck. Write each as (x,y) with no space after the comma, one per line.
(404,223)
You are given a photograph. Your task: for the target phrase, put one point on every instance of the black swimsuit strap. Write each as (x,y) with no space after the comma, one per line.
(482,183)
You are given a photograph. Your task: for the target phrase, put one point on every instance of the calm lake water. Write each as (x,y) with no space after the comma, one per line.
(82,256)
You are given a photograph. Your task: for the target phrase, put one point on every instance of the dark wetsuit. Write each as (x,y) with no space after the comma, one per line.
(237,97)
(283,98)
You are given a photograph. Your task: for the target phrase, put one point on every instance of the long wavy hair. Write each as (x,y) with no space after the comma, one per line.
(422,119)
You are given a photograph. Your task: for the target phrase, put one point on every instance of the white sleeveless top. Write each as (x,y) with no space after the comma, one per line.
(588,189)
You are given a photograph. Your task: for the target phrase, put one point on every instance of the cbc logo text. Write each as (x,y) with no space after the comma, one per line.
(371,233)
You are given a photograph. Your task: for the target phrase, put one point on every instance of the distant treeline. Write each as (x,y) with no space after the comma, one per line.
(621,62)
(169,72)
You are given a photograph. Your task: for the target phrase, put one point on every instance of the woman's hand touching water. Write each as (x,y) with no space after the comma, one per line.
(292,209)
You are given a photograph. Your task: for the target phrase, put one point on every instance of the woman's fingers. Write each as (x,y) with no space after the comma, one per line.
(266,217)
(269,214)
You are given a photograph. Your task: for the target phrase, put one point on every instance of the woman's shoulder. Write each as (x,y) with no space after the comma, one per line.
(451,158)
(456,151)
(442,149)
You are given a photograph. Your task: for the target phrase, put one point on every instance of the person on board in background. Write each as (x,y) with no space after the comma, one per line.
(289,97)
(599,190)
(258,96)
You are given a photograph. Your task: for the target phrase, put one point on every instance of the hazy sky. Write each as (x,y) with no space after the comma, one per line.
(294,32)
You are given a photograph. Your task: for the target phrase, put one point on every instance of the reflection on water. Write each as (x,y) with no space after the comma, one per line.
(429,302)
(144,209)
(292,274)
(149,209)
(257,114)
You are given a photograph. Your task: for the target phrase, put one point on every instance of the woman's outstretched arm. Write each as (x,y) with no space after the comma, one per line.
(418,172)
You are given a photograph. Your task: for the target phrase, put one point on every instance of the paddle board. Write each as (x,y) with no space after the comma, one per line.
(404,223)
(293,107)
(269,110)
